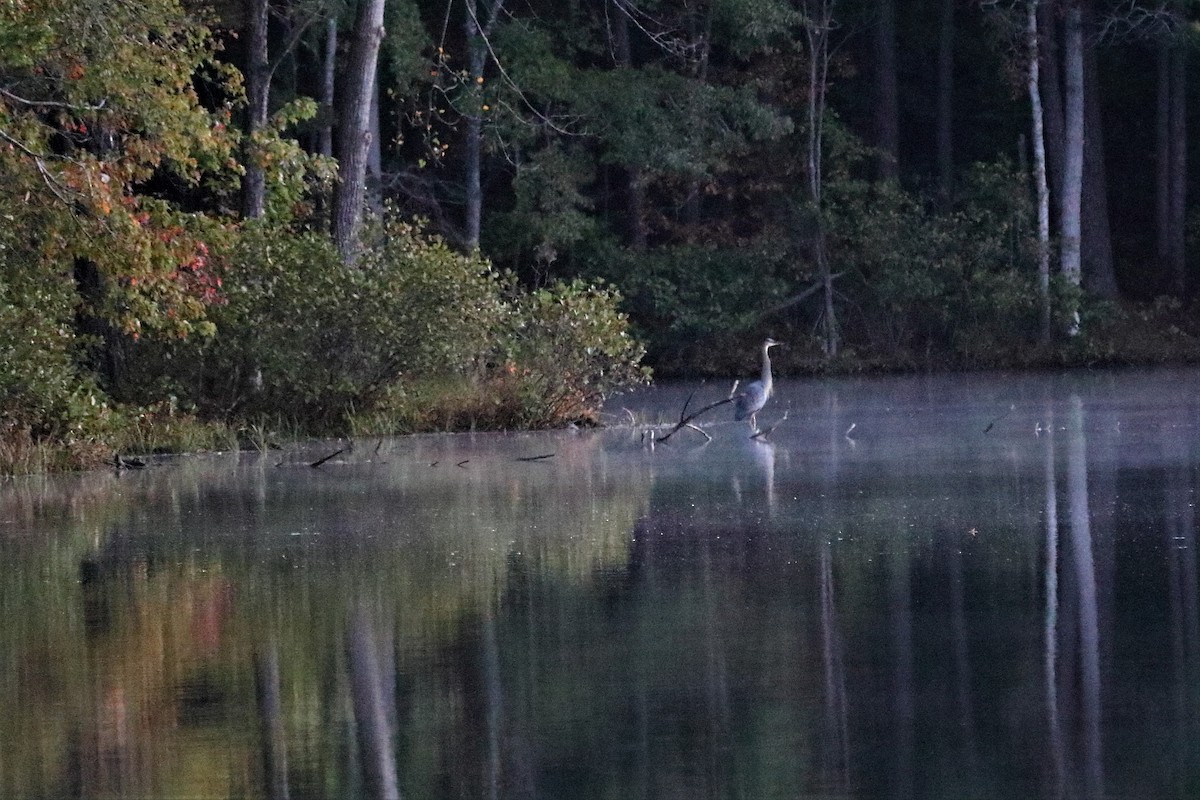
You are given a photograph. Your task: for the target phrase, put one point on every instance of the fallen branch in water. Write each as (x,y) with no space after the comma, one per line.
(321,461)
(992,424)
(685,418)
(536,458)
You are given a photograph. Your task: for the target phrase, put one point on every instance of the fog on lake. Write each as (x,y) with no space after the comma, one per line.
(933,586)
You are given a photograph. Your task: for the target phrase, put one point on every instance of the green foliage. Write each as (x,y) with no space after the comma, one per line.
(550,212)
(164,428)
(666,123)
(957,286)
(102,103)
(1158,332)
(687,299)
(556,355)
(567,348)
(752,26)
(294,177)
(51,413)
(304,337)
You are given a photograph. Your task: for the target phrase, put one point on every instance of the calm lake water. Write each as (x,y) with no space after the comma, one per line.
(956,586)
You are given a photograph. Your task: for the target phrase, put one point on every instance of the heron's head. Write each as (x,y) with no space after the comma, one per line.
(769,343)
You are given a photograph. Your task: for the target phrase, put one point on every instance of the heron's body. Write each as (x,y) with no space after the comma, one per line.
(756,394)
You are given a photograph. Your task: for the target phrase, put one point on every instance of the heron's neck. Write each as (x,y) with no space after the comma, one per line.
(766,368)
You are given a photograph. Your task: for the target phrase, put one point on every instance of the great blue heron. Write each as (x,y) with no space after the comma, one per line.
(751,399)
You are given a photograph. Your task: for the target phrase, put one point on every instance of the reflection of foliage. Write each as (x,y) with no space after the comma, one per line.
(166,635)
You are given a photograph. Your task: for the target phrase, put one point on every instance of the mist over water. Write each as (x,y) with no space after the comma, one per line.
(935,586)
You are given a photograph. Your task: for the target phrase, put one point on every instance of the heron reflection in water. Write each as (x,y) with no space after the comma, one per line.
(756,394)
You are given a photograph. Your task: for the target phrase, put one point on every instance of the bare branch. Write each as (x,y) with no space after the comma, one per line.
(483,31)
(51,103)
(52,183)
(1132,20)
(663,38)
(796,299)
(682,423)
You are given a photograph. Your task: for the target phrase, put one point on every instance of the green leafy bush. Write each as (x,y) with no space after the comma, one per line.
(567,348)
(50,410)
(308,340)
(305,337)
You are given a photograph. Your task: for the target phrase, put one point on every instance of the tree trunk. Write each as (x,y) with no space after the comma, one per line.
(945,104)
(328,73)
(375,156)
(1096,238)
(887,128)
(1050,82)
(472,165)
(354,136)
(631,176)
(1162,151)
(1177,218)
(1039,170)
(258,72)
(1072,185)
(703,37)
(476,31)
(819,18)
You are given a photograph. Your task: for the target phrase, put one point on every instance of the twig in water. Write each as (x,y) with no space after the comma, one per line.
(464,461)
(537,458)
(321,461)
(684,420)
(997,419)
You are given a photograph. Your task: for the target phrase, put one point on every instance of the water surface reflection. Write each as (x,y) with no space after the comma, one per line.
(934,586)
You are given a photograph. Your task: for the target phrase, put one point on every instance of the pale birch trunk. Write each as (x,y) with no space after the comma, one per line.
(1039,169)
(1072,186)
(477,32)
(817,29)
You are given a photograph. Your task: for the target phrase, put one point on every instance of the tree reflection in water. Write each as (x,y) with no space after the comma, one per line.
(955,601)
